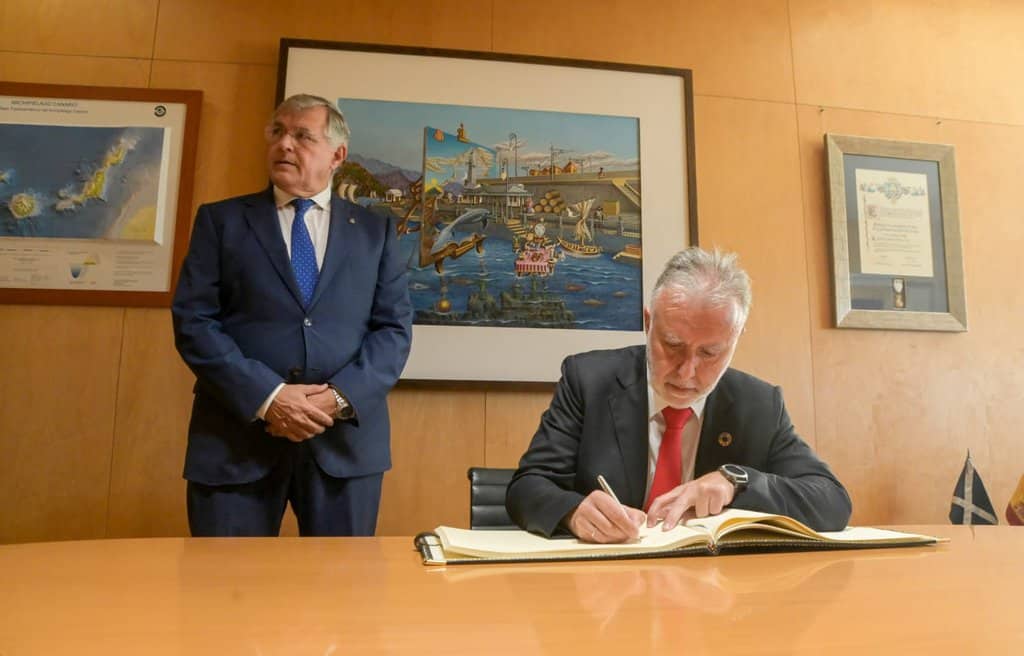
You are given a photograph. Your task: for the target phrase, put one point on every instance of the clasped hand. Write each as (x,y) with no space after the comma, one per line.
(299,412)
(599,518)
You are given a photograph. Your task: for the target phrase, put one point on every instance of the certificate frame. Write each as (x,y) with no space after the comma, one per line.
(661,99)
(895,227)
(121,162)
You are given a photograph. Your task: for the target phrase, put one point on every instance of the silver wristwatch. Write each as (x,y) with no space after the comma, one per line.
(735,475)
(344,410)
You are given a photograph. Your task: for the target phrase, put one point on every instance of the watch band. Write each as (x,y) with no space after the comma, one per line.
(735,475)
(344,410)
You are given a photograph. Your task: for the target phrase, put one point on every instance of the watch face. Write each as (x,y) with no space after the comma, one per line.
(736,475)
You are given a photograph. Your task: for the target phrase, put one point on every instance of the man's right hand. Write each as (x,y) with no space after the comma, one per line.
(601,518)
(291,415)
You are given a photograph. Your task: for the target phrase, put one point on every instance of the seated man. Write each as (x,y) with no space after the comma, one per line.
(670,426)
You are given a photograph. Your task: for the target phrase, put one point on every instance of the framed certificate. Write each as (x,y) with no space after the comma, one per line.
(896,249)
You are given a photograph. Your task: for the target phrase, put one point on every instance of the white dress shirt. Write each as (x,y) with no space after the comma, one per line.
(656,428)
(318,223)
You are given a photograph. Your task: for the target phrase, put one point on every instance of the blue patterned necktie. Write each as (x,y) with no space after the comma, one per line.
(303,254)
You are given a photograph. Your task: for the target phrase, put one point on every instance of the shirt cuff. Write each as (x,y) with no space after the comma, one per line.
(261,413)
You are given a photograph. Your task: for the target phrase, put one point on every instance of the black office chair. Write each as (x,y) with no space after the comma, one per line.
(487,498)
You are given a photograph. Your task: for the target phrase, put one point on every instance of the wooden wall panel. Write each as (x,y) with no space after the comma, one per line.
(115,28)
(249,31)
(949,58)
(66,69)
(60,374)
(238,100)
(735,48)
(892,411)
(154,399)
(991,208)
(897,410)
(436,435)
(60,363)
(512,419)
(748,179)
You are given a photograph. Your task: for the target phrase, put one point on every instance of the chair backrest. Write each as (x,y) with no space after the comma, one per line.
(487,498)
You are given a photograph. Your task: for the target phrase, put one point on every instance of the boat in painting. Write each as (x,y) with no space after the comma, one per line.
(583,246)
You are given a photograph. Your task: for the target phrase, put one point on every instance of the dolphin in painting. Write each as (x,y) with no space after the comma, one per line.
(467,218)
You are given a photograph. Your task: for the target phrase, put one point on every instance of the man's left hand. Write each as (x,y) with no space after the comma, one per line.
(293,416)
(704,496)
(324,401)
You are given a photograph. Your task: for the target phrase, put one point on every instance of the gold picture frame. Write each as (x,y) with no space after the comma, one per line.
(896,247)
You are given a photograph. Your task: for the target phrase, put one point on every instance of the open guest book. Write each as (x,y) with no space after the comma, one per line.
(731,531)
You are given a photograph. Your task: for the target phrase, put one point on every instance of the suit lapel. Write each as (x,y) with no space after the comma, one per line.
(339,238)
(629,418)
(261,215)
(716,413)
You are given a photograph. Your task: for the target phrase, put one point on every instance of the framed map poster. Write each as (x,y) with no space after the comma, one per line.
(95,191)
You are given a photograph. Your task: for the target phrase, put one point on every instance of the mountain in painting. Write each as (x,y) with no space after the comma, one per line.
(389,175)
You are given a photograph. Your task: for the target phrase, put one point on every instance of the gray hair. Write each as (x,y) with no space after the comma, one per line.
(713,276)
(337,127)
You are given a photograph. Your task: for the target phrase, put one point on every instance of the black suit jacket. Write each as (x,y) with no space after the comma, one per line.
(597,424)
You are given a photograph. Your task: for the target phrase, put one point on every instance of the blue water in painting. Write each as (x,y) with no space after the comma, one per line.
(611,297)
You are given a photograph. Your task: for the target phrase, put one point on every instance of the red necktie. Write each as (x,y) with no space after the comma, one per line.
(668,473)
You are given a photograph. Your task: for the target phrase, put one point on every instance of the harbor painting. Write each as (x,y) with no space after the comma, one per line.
(507,217)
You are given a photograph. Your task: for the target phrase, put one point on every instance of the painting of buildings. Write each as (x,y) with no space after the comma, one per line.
(511,218)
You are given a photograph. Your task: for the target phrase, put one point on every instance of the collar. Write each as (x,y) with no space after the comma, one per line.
(322,199)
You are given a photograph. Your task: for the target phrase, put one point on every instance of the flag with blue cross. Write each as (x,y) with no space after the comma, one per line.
(971,504)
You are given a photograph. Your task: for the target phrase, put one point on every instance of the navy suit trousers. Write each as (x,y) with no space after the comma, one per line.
(323,505)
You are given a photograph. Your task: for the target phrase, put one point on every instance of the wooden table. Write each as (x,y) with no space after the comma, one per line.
(371,595)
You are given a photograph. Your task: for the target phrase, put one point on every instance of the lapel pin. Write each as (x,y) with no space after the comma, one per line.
(724,439)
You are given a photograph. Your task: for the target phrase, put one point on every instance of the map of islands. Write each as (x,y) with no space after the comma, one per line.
(79,182)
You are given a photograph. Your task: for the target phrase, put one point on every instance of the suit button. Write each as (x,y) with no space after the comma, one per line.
(307,322)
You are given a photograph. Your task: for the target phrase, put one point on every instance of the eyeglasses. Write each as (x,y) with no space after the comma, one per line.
(275,132)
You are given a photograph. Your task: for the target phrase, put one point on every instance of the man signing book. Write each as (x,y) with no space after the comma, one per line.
(672,428)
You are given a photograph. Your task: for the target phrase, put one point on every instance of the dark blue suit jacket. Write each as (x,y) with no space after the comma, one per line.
(597,424)
(240,325)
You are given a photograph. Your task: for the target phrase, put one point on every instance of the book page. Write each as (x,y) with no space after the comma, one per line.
(758,526)
(521,544)
(734,519)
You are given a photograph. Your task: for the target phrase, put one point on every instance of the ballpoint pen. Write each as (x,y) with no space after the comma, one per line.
(607,488)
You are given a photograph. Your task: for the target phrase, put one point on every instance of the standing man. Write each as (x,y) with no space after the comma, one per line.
(670,426)
(293,312)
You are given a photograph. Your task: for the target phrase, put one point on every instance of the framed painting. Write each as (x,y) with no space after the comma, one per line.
(896,249)
(95,191)
(536,199)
